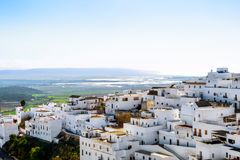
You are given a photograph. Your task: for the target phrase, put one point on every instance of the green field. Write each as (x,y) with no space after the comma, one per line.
(39,99)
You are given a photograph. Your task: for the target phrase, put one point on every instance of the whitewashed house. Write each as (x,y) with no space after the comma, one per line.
(182,135)
(165,114)
(220,86)
(85,102)
(108,145)
(75,123)
(7,128)
(46,128)
(173,101)
(145,129)
(204,110)
(122,102)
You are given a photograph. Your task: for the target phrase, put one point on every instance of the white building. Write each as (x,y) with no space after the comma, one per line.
(46,128)
(145,129)
(204,110)
(173,100)
(108,145)
(182,135)
(7,128)
(123,102)
(165,114)
(216,149)
(219,86)
(85,102)
(77,123)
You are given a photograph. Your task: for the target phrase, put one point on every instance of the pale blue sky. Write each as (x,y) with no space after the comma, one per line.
(187,37)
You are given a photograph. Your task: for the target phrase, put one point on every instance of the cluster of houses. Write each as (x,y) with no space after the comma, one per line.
(195,120)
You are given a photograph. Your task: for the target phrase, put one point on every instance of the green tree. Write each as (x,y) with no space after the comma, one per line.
(23,103)
(34,153)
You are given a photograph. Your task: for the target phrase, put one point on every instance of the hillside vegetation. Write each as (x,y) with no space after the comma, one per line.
(16,93)
(28,148)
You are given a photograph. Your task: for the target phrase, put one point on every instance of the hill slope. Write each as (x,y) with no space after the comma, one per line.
(16,93)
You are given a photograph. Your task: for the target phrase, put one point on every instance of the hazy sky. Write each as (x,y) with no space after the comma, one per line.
(187,37)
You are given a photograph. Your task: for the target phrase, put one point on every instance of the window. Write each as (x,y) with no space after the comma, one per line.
(212,155)
(199,132)
(164,137)
(226,155)
(205,132)
(231,141)
(136,98)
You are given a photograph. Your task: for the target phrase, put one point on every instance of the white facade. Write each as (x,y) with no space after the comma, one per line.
(7,128)
(75,122)
(46,128)
(182,135)
(84,102)
(114,145)
(163,115)
(173,101)
(123,102)
(219,86)
(144,129)
(205,111)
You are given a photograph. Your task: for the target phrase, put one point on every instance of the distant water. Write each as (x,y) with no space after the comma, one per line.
(119,82)
(95,84)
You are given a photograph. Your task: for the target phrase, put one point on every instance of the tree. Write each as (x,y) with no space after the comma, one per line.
(34,152)
(23,103)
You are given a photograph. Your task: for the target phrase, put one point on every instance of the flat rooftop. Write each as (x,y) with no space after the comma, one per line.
(158,154)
